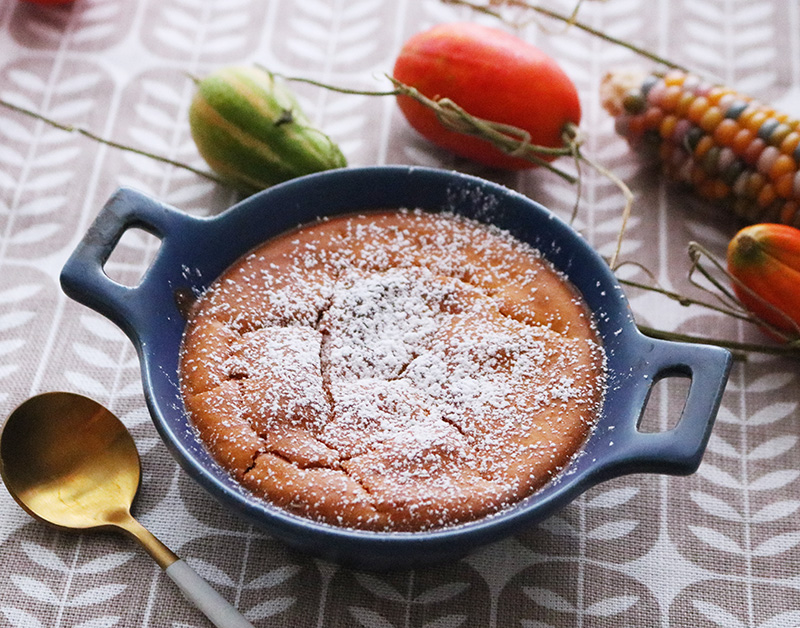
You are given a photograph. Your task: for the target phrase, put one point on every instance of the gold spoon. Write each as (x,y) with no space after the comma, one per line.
(71,463)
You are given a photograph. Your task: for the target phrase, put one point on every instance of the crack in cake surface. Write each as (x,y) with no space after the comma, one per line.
(442,369)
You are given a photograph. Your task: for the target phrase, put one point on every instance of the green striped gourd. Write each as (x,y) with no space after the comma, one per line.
(251,131)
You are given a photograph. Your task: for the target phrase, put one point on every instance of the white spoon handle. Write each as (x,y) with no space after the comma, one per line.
(221,613)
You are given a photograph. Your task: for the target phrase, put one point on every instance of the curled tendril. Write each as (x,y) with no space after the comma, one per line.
(697,253)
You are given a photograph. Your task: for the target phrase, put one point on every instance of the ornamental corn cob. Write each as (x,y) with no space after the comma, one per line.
(728,147)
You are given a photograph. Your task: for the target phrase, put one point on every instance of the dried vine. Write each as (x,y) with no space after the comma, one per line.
(73,128)
(488,8)
(697,253)
(508,139)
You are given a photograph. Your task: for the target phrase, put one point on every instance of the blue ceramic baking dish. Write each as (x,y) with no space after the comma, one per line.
(194,251)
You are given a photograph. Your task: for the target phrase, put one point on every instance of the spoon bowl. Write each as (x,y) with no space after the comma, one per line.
(71,463)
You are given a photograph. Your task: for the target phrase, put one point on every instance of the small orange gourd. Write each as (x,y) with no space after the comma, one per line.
(764,260)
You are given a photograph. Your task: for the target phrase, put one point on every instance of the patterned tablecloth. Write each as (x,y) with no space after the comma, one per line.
(719,548)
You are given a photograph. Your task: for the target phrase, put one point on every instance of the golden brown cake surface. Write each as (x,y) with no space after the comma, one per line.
(392,371)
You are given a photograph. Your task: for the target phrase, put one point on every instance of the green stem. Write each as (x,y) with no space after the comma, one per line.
(69,128)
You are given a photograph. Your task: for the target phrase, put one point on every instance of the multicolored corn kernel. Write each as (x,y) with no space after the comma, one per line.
(727,146)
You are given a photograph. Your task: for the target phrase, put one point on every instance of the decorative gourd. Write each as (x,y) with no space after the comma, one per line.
(251,131)
(764,260)
(492,75)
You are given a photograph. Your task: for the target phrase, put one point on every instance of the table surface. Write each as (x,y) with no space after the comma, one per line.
(718,548)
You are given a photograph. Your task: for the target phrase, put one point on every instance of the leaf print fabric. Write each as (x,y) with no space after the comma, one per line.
(719,548)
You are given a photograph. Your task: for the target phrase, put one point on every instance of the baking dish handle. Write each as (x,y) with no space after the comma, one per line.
(83,278)
(679,450)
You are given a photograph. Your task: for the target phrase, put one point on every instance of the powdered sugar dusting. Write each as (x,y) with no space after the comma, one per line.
(397,370)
